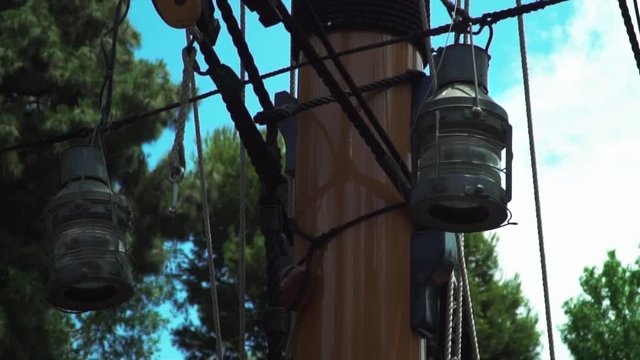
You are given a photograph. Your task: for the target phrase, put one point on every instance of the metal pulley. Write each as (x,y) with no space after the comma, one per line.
(179,14)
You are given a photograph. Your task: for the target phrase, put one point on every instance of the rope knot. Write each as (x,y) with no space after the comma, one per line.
(273,116)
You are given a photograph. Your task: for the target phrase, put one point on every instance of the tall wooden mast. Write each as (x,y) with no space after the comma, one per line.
(359,304)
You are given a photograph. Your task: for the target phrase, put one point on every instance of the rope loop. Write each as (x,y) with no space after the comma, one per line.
(177,160)
(319,241)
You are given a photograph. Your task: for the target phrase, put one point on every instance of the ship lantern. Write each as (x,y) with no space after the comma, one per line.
(87,228)
(463,144)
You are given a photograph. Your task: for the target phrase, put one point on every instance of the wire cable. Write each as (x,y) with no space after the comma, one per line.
(207,228)
(353,88)
(106,91)
(631,32)
(536,188)
(484,20)
(242,218)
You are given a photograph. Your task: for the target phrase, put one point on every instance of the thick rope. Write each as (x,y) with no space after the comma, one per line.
(384,160)
(536,189)
(244,53)
(353,88)
(207,223)
(448,333)
(176,156)
(291,183)
(636,11)
(487,19)
(242,231)
(471,323)
(431,61)
(631,32)
(457,343)
(291,192)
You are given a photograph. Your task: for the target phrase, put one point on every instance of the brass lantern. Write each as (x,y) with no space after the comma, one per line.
(461,135)
(87,228)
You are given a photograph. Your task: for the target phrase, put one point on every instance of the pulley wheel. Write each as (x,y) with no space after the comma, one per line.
(179,14)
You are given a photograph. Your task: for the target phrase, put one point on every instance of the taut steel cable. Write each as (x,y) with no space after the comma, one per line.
(536,188)
(242,232)
(207,227)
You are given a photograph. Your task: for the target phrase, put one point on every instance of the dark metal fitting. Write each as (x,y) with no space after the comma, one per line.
(267,13)
(271,219)
(275,319)
(177,173)
(273,116)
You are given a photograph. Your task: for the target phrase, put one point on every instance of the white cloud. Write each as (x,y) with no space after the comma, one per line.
(585,95)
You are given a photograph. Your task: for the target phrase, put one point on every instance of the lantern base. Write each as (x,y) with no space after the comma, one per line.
(459,204)
(89,285)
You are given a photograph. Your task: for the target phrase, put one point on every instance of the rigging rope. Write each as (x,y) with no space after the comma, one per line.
(448,341)
(637,11)
(317,242)
(431,61)
(266,117)
(631,32)
(351,84)
(291,183)
(177,160)
(386,163)
(242,233)
(239,41)
(486,20)
(291,193)
(466,292)
(207,224)
(536,189)
(457,344)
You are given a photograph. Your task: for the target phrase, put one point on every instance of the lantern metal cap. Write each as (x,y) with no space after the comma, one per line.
(456,65)
(83,162)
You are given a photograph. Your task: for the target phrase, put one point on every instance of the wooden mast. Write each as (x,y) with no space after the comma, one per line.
(359,283)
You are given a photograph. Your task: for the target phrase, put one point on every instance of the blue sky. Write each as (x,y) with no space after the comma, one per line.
(584,90)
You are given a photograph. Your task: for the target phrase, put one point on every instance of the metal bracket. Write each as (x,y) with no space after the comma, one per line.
(433,257)
(267,13)
(289,130)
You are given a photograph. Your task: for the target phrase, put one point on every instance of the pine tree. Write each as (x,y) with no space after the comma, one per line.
(51,71)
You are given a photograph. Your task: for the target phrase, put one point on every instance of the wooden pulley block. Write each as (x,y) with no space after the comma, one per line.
(179,14)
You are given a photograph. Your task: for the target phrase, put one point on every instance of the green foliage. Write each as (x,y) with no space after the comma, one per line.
(505,323)
(604,321)
(51,70)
